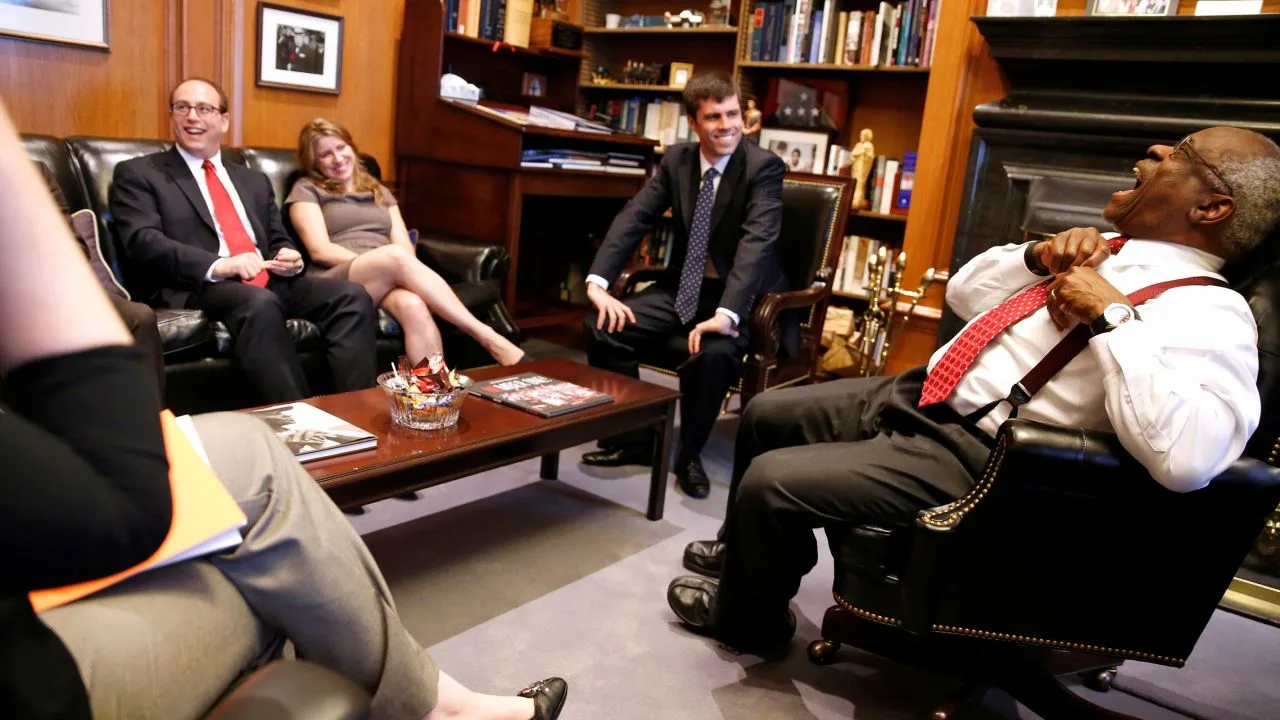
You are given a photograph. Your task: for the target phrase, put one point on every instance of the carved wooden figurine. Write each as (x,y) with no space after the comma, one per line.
(864,157)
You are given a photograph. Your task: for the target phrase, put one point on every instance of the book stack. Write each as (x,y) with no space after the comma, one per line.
(815,31)
(851,276)
(562,159)
(889,185)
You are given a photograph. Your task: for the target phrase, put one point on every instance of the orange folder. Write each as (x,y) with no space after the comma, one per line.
(205,518)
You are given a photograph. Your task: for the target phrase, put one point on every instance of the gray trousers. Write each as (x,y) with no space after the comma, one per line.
(167,644)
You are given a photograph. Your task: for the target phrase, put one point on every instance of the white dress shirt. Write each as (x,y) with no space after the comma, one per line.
(704,165)
(197,168)
(1178,386)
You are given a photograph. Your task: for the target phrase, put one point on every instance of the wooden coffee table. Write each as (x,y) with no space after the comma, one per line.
(489,435)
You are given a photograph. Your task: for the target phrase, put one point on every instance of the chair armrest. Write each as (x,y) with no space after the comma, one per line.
(293,690)
(462,261)
(1067,540)
(764,319)
(627,281)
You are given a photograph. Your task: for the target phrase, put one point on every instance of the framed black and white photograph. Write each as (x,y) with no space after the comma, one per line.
(804,152)
(298,49)
(1132,7)
(70,22)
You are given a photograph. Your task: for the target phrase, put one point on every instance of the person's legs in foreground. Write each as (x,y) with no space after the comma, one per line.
(391,266)
(302,573)
(883,462)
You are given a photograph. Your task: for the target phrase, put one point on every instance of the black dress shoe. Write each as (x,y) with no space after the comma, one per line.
(693,600)
(692,479)
(704,557)
(613,457)
(548,697)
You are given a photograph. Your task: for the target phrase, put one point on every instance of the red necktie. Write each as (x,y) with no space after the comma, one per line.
(955,362)
(238,240)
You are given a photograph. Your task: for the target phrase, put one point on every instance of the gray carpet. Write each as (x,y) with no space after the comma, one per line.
(509,579)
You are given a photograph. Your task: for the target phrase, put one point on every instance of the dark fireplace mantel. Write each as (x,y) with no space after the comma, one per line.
(1088,96)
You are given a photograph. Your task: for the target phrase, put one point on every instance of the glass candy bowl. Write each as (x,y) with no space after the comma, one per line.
(423,411)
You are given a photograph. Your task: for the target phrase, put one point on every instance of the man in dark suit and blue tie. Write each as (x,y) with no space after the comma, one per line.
(725,197)
(206,234)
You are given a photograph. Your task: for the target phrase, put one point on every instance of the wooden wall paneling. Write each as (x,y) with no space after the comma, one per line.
(366,106)
(67,90)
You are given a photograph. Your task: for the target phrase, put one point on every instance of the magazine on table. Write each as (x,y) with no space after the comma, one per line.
(313,434)
(540,394)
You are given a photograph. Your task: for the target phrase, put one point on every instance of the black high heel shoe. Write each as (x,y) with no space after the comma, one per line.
(548,697)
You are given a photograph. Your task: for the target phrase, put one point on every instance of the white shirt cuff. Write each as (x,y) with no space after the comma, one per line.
(597,280)
(729,314)
(208,275)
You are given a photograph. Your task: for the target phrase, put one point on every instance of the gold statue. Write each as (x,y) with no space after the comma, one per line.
(752,121)
(864,157)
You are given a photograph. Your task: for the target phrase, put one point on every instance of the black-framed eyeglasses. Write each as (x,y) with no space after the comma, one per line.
(1190,151)
(204,110)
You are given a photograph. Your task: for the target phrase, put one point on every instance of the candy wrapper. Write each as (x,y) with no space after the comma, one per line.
(430,375)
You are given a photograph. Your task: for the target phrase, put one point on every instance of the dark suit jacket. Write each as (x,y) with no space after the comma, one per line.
(746,220)
(167,230)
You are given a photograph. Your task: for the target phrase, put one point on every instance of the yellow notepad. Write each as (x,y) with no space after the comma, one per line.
(206,518)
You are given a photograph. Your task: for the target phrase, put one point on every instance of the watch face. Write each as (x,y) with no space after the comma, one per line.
(1117,313)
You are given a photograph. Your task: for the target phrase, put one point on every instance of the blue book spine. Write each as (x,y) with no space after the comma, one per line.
(902,201)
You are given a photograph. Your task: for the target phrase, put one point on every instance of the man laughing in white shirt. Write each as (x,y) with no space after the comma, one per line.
(1174,378)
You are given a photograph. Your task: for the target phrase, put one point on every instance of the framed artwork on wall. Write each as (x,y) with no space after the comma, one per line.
(1132,7)
(804,152)
(298,49)
(69,22)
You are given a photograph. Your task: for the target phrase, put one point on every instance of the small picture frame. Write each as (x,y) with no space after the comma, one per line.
(299,49)
(1132,8)
(680,74)
(804,152)
(533,85)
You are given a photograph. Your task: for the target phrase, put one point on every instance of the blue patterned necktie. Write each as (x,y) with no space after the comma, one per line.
(695,260)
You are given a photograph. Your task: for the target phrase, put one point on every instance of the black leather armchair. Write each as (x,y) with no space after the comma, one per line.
(200,376)
(814,213)
(1065,557)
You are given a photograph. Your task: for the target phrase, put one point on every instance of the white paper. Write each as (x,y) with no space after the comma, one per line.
(1228,7)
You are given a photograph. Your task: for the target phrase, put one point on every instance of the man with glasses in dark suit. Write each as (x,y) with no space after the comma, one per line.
(207,234)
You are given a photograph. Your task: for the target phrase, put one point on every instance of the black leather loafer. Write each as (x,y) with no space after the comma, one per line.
(692,479)
(614,457)
(704,557)
(693,600)
(548,697)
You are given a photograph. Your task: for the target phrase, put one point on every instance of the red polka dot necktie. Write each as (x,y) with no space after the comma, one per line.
(695,260)
(955,362)
(233,232)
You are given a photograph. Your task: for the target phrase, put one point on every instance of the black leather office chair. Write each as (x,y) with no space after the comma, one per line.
(1066,556)
(814,213)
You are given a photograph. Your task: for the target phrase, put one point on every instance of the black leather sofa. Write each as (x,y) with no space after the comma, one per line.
(200,375)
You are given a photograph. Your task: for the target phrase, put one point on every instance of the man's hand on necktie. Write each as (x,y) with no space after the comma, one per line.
(611,309)
(1079,295)
(245,266)
(719,324)
(287,263)
(1072,248)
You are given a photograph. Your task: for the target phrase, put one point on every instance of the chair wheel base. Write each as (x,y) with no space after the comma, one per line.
(1100,680)
(823,652)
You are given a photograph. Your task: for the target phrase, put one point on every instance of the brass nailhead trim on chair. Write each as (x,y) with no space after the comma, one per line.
(1060,645)
(1275,450)
(951,514)
(863,613)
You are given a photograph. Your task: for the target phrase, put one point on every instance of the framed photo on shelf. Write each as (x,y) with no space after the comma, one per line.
(1115,8)
(533,85)
(68,22)
(804,152)
(680,74)
(298,49)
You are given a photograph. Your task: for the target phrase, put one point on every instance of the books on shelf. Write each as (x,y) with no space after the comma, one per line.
(661,120)
(540,395)
(313,434)
(816,31)
(206,519)
(852,270)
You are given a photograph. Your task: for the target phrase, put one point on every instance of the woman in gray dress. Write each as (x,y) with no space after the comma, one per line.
(352,228)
